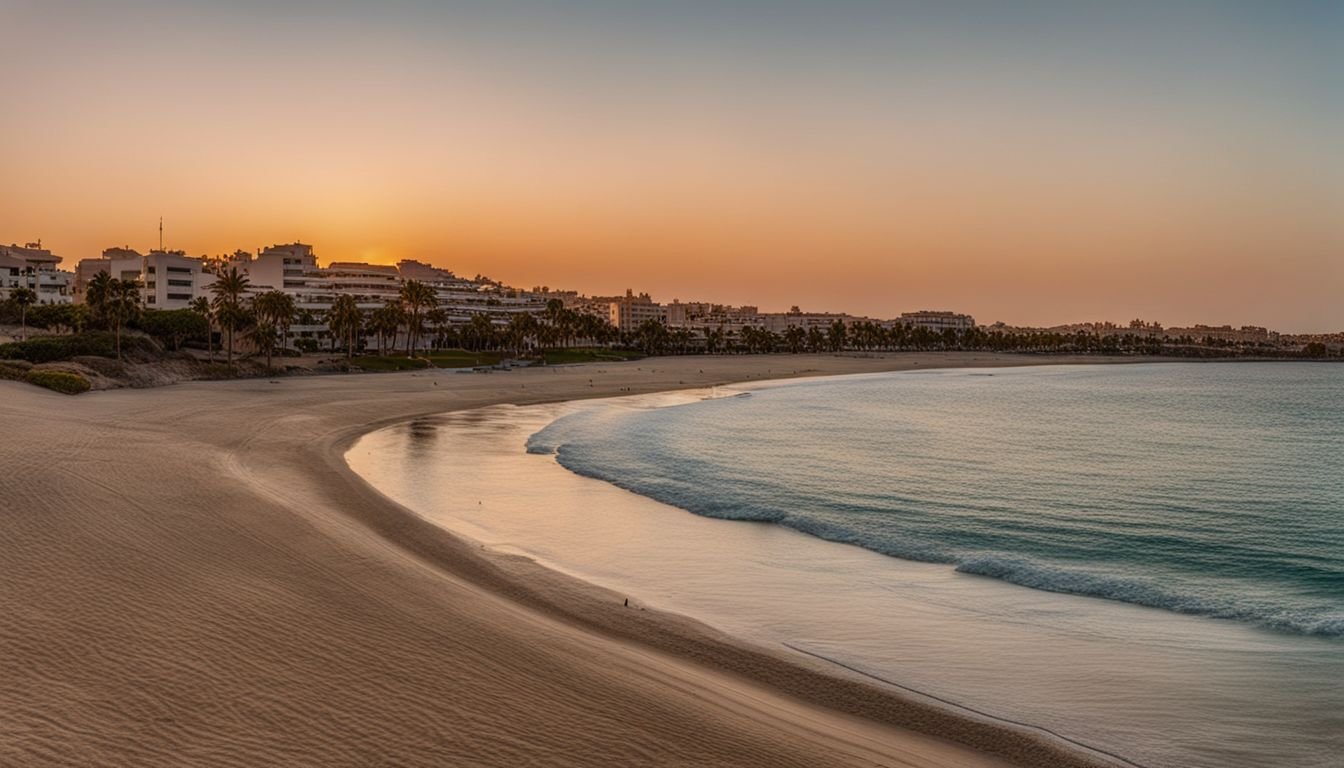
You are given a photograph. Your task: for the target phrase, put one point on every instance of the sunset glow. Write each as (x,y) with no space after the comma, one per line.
(1042,164)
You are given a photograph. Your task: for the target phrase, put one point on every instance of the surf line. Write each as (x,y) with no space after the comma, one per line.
(955,705)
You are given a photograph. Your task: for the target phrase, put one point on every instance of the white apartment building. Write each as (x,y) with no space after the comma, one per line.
(279,267)
(699,315)
(294,269)
(461,299)
(779,322)
(32,266)
(938,321)
(168,279)
(1246,334)
(172,280)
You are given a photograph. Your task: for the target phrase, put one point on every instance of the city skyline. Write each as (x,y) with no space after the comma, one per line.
(893,314)
(1037,165)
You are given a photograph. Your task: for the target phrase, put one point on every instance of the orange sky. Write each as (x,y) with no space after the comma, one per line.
(1064,170)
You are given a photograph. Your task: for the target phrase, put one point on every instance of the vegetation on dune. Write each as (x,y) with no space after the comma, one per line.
(59,381)
(48,349)
(113,302)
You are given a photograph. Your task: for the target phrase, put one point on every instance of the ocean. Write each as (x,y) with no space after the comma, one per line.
(1214,490)
(1146,560)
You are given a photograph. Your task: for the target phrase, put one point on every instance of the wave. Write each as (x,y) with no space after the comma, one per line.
(1028,573)
(1014,569)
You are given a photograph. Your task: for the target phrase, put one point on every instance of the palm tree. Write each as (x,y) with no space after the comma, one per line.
(276,308)
(481,330)
(438,321)
(652,336)
(229,289)
(201,306)
(24,297)
(385,321)
(415,298)
(837,334)
(97,293)
(344,320)
(121,303)
(265,335)
(521,327)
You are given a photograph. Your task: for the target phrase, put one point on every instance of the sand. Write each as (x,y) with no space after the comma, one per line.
(192,576)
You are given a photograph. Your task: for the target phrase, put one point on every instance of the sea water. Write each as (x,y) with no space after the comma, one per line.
(1215,490)
(1147,560)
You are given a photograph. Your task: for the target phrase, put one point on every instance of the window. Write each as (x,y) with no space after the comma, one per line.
(177,297)
(178,270)
(180,283)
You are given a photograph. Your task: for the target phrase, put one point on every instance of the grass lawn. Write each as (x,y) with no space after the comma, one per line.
(388,363)
(462,358)
(445,358)
(588,355)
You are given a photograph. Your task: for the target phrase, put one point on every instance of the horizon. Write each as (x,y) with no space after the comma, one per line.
(1039,165)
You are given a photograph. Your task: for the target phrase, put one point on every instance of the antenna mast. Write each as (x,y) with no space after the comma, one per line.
(160,233)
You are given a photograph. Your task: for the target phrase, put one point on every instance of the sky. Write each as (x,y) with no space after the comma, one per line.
(1031,162)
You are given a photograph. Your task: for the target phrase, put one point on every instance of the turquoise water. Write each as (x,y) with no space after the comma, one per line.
(1214,490)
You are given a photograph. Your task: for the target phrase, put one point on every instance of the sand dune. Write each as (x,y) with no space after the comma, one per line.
(192,576)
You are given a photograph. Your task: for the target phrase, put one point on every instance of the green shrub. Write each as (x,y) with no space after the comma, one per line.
(172,326)
(306,344)
(60,317)
(59,381)
(49,349)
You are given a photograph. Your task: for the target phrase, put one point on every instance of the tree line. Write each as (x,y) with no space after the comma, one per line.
(414,321)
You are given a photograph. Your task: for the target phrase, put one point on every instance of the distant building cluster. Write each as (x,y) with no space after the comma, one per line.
(632,310)
(173,280)
(1246,334)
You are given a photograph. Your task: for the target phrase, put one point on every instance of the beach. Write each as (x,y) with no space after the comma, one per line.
(193,575)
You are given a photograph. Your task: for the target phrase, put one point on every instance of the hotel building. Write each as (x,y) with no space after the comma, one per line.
(630,311)
(938,321)
(168,279)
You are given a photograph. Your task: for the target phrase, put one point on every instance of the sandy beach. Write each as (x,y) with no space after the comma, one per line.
(193,576)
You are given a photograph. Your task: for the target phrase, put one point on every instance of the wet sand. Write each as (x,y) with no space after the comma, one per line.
(192,575)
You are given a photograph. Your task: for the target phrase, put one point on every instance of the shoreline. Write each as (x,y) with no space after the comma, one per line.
(306,536)
(686,624)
